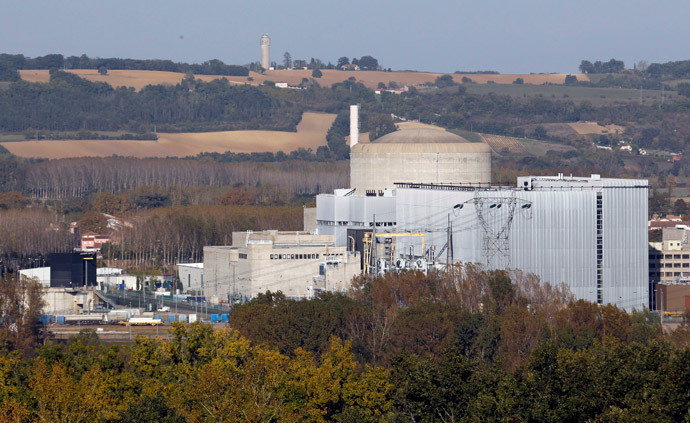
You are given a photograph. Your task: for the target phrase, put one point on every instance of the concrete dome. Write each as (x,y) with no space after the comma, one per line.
(420,136)
(418,155)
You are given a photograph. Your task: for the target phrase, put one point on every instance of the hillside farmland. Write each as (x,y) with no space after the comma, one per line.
(139,78)
(311,133)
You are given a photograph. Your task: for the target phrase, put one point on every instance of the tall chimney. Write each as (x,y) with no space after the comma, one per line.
(354,125)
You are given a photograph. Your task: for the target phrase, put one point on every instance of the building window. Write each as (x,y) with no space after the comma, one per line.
(668,256)
(243,255)
(676,264)
(676,256)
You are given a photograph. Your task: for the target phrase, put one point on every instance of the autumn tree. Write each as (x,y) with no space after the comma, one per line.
(93,221)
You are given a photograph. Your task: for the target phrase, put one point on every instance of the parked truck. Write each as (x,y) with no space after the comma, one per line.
(142,321)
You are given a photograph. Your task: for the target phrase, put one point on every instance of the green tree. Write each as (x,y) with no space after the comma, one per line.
(444,81)
(519,81)
(103,70)
(368,63)
(316,73)
(287,60)
(343,61)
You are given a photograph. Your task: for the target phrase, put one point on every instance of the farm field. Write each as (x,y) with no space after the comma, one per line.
(139,78)
(504,145)
(311,133)
(597,96)
(585,128)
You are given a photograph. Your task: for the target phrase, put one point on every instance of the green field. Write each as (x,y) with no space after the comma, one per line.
(469,136)
(12,137)
(597,96)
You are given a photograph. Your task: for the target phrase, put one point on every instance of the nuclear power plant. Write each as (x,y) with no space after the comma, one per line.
(423,197)
(265,46)
(415,155)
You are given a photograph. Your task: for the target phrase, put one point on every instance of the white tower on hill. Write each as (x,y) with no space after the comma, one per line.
(265,44)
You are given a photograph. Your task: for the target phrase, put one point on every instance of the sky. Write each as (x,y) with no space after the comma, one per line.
(430,35)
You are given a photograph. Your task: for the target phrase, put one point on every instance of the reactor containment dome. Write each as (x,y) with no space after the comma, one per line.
(419,155)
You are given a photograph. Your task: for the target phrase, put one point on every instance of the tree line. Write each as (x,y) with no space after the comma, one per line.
(466,345)
(71,103)
(58,61)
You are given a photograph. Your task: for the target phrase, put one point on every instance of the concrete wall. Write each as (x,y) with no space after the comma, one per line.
(191,277)
(310,219)
(61,301)
(220,268)
(675,297)
(42,275)
(380,170)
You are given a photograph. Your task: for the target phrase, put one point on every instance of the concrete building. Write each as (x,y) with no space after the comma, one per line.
(110,277)
(589,233)
(673,297)
(61,301)
(669,260)
(191,276)
(419,155)
(265,46)
(297,263)
(41,274)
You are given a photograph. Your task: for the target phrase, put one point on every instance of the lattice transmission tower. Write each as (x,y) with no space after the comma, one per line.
(496,215)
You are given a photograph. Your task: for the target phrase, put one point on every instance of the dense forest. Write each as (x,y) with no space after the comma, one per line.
(467,345)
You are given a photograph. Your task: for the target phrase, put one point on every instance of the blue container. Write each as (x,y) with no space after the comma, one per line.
(215,318)
(183,317)
(224,318)
(158,316)
(61,320)
(47,319)
(171,318)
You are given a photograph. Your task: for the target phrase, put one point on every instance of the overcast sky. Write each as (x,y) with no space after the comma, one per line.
(432,35)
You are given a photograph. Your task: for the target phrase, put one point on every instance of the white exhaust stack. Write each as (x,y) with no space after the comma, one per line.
(354,125)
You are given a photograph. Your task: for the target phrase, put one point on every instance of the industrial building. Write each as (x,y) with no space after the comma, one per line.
(587,232)
(297,263)
(73,270)
(191,277)
(419,155)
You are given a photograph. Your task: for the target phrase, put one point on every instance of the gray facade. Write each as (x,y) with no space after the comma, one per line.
(589,233)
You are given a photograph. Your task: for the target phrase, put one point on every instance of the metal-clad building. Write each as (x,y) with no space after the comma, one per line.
(590,233)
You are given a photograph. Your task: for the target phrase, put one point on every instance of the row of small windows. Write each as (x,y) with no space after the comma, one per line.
(668,274)
(294,256)
(669,256)
(653,265)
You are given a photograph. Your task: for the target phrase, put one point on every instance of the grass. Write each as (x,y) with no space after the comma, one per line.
(539,148)
(11,137)
(469,136)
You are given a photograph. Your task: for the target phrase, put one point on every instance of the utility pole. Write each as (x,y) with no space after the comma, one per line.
(661,292)
(373,248)
(448,243)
